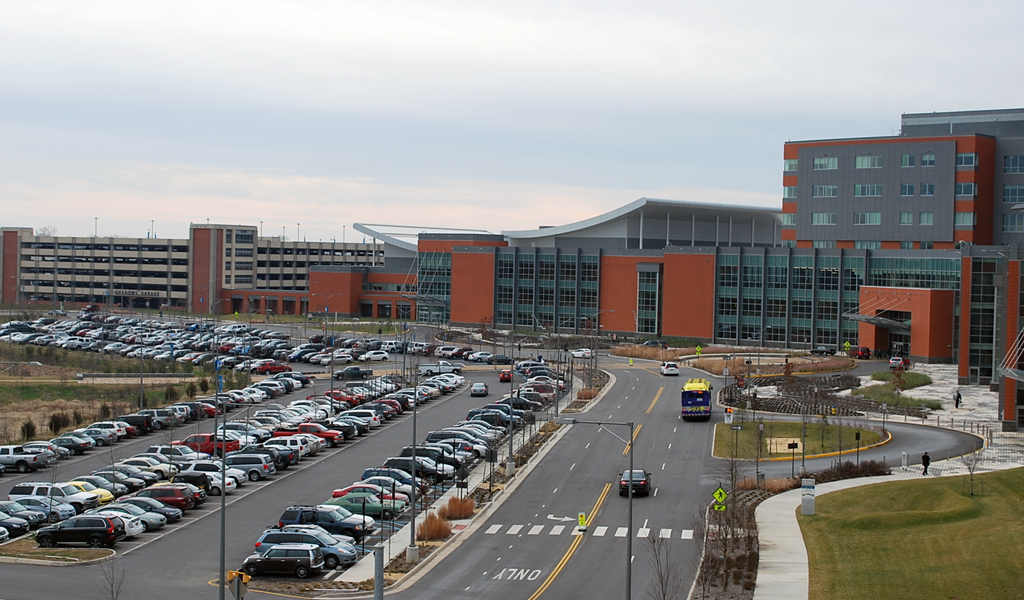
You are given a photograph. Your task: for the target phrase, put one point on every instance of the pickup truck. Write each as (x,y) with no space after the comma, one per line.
(204,442)
(332,436)
(19,459)
(441,367)
(353,373)
(823,351)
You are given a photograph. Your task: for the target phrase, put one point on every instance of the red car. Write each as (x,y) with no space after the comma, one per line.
(272,368)
(505,375)
(177,495)
(369,488)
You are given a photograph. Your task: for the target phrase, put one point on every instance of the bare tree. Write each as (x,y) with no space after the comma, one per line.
(47,231)
(971,461)
(707,563)
(114,579)
(668,582)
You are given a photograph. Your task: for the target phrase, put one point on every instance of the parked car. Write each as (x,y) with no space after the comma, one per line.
(823,351)
(255,466)
(77,445)
(55,510)
(333,519)
(640,479)
(95,531)
(371,505)
(505,376)
(337,552)
(861,352)
(302,560)
(62,491)
(151,521)
(899,361)
(153,505)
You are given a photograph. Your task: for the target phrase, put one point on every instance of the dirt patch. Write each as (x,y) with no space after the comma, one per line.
(27,548)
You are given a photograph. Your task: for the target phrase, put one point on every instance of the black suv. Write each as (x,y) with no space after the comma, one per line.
(641,483)
(405,463)
(92,530)
(301,559)
(333,519)
(144,423)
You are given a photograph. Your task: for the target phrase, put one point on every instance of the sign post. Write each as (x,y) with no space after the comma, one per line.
(719,495)
(582,520)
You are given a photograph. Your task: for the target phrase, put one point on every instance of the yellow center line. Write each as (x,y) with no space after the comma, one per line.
(632,441)
(572,548)
(656,396)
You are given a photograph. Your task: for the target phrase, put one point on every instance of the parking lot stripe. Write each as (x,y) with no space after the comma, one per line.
(643,532)
(687,534)
(665,533)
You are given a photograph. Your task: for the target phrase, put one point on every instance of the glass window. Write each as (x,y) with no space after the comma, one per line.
(906,218)
(777,272)
(506,266)
(567,268)
(789,191)
(824,244)
(1013,163)
(967,159)
(825,191)
(751,307)
(928,160)
(589,269)
(926,218)
(526,267)
(728,271)
(546,267)
(789,219)
(867,218)
(867,245)
(963,218)
(823,218)
(244,236)
(927,245)
(827,163)
(867,189)
(802,309)
(906,189)
(927,189)
(1013,223)
(869,162)
(906,245)
(789,164)
(775,308)
(965,189)
(1013,193)
(907,161)
(752,271)
(727,306)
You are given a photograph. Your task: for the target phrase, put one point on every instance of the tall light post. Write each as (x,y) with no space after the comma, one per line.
(629,518)
(412,553)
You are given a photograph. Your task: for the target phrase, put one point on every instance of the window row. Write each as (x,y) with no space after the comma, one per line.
(875,218)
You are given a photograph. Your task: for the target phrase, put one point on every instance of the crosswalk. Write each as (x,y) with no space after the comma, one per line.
(600,531)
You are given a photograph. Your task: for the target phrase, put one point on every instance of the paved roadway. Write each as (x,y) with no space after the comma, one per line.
(524,549)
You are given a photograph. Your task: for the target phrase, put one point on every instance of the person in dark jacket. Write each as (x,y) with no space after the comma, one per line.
(926,460)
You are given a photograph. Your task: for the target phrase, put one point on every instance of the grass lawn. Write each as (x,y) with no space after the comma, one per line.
(923,539)
(27,548)
(746,439)
(886,394)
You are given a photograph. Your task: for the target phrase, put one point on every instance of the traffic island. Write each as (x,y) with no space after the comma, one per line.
(26,551)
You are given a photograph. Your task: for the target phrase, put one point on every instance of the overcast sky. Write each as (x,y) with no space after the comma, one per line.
(487,115)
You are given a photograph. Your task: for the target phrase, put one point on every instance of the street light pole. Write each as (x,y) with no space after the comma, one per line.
(629,514)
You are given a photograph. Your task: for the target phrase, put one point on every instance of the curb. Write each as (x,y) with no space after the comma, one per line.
(57,563)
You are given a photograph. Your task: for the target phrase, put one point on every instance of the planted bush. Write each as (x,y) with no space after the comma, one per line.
(457,508)
(434,528)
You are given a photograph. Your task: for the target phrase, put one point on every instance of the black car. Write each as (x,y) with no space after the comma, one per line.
(641,483)
(93,530)
(144,423)
(131,483)
(75,444)
(35,518)
(499,359)
(333,519)
(280,457)
(14,525)
(284,559)
(153,505)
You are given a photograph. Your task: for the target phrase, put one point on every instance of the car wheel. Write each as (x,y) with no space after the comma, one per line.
(331,562)
(302,571)
(145,527)
(100,442)
(349,532)
(45,541)
(158,426)
(54,517)
(386,515)
(215,491)
(252,569)
(254,476)
(23,467)
(95,542)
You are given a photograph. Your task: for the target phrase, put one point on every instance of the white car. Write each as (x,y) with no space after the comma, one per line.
(582,353)
(132,525)
(669,368)
(375,355)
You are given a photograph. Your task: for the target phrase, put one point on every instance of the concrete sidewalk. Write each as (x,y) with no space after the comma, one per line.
(782,572)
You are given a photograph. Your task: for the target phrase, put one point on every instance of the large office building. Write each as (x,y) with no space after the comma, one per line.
(906,244)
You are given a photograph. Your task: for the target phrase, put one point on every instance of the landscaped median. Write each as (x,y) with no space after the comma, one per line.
(822,437)
(25,550)
(922,539)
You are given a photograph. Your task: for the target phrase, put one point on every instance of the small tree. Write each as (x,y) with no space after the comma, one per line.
(191,390)
(204,385)
(77,417)
(104,412)
(58,421)
(114,579)
(28,430)
(668,581)
(971,461)
(171,394)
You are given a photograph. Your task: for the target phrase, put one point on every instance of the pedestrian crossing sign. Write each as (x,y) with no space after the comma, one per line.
(720,495)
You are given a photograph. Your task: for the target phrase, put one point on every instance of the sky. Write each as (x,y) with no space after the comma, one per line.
(136,118)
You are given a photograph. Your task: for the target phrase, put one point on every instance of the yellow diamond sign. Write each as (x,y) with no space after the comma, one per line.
(720,495)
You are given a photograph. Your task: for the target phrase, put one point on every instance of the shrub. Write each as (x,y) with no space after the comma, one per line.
(104,412)
(849,470)
(77,418)
(28,429)
(191,389)
(204,385)
(434,528)
(58,421)
(170,394)
(586,394)
(457,508)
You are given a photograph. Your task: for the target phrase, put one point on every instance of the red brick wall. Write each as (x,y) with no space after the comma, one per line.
(931,320)
(689,296)
(472,288)
(11,253)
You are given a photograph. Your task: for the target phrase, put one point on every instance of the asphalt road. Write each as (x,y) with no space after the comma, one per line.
(524,549)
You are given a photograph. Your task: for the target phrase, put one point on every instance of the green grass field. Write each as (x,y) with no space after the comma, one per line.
(745,440)
(919,540)
(886,393)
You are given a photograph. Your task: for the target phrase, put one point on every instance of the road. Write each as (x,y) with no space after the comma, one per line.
(523,549)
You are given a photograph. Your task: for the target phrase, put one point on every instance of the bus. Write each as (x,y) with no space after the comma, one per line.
(696,400)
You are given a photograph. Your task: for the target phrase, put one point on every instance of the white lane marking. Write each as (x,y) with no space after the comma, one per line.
(535,530)
(555,491)
(655,492)
(578,532)
(670,446)
(665,533)
(674,429)
(493,529)
(513,530)
(643,532)
(600,531)
(572,467)
(645,522)
(631,558)
(662,466)
(587,446)
(620,532)
(687,534)
(556,530)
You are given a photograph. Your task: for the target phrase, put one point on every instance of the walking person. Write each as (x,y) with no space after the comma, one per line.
(926,460)
(956,399)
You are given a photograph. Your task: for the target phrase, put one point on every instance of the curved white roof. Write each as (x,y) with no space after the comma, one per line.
(397,235)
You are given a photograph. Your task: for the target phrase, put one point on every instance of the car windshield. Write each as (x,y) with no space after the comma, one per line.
(131,508)
(85,485)
(14,506)
(341,512)
(68,489)
(325,539)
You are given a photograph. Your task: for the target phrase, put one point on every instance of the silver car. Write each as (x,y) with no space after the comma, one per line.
(102,437)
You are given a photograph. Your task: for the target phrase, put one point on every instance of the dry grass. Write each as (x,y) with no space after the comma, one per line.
(457,508)
(645,352)
(27,548)
(586,393)
(434,528)
(772,486)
